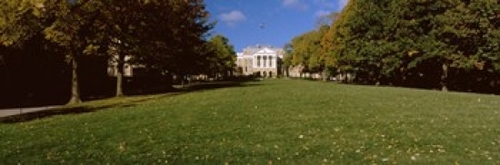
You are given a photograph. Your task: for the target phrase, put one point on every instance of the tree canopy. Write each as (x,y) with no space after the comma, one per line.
(433,44)
(164,37)
(306,51)
(222,55)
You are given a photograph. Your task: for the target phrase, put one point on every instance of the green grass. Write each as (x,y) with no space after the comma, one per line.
(272,121)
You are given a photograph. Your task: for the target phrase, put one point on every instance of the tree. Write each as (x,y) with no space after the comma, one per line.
(162,36)
(287,59)
(174,40)
(306,52)
(19,21)
(404,42)
(75,31)
(222,56)
(470,33)
(126,24)
(22,20)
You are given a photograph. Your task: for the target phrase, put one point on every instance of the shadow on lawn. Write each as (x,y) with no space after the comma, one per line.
(213,85)
(68,111)
(25,117)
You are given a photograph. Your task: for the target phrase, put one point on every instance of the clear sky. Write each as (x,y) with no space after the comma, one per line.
(267,22)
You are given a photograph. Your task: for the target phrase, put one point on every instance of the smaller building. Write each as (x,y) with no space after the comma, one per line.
(260,60)
(128,69)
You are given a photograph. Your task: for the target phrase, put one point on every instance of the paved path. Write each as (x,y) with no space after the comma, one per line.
(17,111)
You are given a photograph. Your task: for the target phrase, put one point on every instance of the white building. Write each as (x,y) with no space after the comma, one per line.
(260,60)
(127,68)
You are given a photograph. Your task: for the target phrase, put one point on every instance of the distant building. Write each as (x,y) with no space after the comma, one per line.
(128,69)
(260,60)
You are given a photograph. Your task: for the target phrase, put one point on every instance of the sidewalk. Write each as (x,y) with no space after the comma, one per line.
(18,111)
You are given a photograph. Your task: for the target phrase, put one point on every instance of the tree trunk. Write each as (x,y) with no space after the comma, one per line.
(444,78)
(75,92)
(287,71)
(119,75)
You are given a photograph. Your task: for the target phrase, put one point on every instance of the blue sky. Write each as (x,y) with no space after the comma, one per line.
(267,22)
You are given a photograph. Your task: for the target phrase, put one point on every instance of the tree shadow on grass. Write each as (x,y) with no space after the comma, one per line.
(30,116)
(215,85)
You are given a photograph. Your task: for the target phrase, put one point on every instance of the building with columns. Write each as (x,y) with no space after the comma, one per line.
(260,60)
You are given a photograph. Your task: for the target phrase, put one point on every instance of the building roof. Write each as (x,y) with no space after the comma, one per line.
(260,50)
(266,51)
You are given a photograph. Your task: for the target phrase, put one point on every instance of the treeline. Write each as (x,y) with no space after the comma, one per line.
(437,44)
(61,50)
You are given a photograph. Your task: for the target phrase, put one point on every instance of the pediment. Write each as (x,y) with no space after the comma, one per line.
(266,51)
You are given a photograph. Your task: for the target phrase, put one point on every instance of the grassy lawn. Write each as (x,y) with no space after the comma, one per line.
(268,122)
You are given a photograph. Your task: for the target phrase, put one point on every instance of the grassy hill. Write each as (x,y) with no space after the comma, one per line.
(267,122)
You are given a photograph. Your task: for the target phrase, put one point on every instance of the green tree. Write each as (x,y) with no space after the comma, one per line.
(21,20)
(174,40)
(407,42)
(159,34)
(306,52)
(287,59)
(127,26)
(222,56)
(74,30)
(470,34)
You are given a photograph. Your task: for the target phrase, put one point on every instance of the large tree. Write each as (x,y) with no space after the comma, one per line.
(221,55)
(21,21)
(74,29)
(162,35)
(306,52)
(415,42)
(174,38)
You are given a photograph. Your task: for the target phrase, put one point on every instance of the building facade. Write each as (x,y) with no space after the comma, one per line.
(128,69)
(264,61)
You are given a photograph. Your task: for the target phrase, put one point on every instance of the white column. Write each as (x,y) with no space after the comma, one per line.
(259,62)
(271,59)
(274,62)
(254,62)
(267,61)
